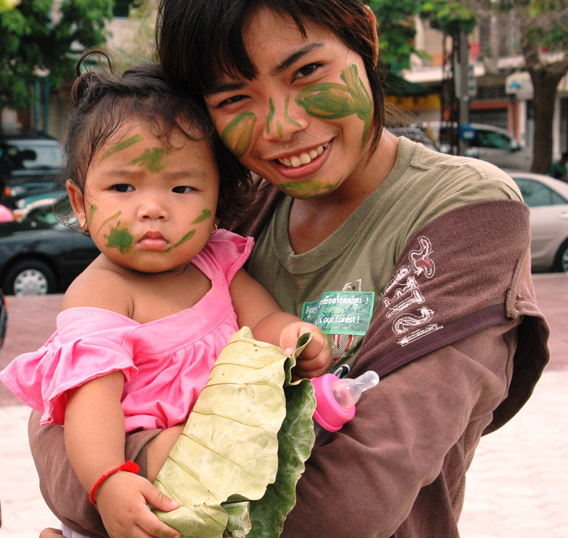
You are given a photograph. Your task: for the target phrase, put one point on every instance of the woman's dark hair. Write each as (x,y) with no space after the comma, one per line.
(104,102)
(198,40)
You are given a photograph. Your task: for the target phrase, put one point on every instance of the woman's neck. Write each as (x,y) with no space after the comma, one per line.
(314,220)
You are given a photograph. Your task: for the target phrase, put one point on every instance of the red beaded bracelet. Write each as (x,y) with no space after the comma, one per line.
(129,466)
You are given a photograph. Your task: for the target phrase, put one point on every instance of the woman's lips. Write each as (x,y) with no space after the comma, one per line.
(310,168)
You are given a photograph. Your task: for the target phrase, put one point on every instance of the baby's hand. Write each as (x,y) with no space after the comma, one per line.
(122,501)
(315,360)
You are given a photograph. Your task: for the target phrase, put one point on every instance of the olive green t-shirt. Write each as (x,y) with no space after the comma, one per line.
(361,254)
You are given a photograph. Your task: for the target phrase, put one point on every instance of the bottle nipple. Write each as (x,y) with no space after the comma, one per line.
(348,391)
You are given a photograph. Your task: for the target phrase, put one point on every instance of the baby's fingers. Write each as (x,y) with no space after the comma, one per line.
(150,522)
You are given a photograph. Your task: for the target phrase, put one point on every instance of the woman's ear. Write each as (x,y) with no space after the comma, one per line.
(373,21)
(77,202)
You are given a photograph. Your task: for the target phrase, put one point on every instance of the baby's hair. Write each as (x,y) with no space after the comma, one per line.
(103,103)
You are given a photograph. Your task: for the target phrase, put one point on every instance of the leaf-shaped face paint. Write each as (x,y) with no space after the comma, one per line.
(308,189)
(121,145)
(237,135)
(327,100)
(205,214)
(119,238)
(151,159)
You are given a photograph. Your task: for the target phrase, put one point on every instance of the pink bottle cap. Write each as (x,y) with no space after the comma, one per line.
(329,414)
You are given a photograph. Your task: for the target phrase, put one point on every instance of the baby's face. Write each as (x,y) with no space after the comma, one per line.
(149,207)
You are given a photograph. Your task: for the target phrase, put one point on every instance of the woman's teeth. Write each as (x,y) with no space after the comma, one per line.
(303,158)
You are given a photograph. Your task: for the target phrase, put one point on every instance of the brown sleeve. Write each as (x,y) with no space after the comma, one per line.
(398,468)
(58,483)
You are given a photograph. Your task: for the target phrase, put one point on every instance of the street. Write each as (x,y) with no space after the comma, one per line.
(517,485)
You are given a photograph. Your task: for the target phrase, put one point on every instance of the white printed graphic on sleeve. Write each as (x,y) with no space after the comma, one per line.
(403,292)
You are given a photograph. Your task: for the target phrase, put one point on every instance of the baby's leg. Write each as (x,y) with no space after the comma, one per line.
(59,485)
(158,449)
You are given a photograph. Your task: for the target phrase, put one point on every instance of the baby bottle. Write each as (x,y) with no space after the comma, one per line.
(336,398)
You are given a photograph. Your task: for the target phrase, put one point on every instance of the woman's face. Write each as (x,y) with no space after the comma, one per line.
(303,122)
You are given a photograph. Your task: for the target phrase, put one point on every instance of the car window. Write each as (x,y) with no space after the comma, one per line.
(491,140)
(40,156)
(536,194)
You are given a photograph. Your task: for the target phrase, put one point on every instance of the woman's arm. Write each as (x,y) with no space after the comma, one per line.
(256,309)
(94,441)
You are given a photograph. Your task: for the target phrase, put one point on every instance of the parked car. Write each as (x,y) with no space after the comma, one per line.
(416,134)
(29,164)
(41,255)
(3,318)
(548,201)
(38,204)
(489,143)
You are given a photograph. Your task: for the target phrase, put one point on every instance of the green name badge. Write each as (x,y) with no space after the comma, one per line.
(341,312)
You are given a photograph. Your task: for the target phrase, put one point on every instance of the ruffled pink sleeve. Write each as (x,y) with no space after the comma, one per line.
(88,343)
(225,253)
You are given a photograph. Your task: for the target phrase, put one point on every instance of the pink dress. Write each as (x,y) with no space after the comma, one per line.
(165,363)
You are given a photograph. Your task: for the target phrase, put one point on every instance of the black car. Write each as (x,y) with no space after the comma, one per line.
(41,255)
(29,164)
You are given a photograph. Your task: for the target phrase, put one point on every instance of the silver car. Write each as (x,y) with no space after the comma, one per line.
(548,201)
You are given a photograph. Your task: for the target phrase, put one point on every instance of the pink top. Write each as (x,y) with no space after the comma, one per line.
(166,362)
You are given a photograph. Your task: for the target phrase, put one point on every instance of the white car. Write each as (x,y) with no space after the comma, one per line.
(548,201)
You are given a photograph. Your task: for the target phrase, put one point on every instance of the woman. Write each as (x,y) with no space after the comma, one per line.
(400,253)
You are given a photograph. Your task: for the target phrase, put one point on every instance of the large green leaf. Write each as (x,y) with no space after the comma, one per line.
(229,449)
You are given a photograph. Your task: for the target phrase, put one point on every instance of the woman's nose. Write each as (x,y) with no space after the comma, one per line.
(283,119)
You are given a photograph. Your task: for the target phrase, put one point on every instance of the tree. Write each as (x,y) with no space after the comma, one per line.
(543,28)
(37,37)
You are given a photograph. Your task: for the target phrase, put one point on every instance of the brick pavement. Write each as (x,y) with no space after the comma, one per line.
(517,485)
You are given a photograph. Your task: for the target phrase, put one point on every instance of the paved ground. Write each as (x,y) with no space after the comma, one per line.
(517,486)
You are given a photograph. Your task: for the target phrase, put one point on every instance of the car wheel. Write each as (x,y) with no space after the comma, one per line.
(29,277)
(562,258)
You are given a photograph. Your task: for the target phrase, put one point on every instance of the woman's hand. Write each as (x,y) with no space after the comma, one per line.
(316,358)
(122,500)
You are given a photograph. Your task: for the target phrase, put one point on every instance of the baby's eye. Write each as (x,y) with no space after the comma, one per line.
(182,189)
(307,70)
(122,187)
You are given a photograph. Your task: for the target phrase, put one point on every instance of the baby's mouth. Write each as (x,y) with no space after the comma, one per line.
(305,157)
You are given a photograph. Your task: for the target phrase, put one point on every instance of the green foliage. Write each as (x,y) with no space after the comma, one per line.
(449,17)
(395,20)
(36,36)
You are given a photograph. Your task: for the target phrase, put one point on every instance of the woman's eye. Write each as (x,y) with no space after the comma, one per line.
(306,70)
(182,189)
(231,100)
(122,187)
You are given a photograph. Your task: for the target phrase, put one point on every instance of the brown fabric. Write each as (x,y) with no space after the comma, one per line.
(60,486)
(399,468)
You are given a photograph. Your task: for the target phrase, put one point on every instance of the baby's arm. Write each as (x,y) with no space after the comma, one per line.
(94,427)
(256,309)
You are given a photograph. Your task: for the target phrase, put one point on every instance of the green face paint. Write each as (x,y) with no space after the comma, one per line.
(308,189)
(151,159)
(122,145)
(237,135)
(287,117)
(92,210)
(205,214)
(329,100)
(270,115)
(185,238)
(119,238)
(115,216)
